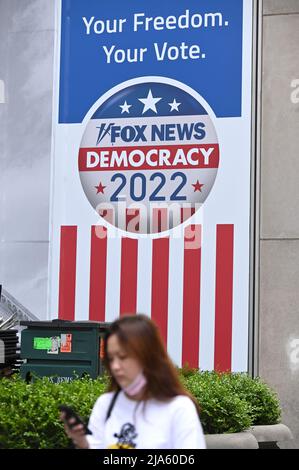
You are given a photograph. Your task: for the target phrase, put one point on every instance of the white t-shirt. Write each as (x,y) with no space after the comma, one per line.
(155,425)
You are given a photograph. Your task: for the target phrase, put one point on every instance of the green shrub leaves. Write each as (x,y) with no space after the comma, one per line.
(29,412)
(229,402)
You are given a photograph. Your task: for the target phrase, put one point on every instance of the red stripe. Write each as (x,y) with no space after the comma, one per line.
(103,159)
(67,273)
(133,220)
(224,297)
(98,260)
(108,214)
(160,273)
(186,213)
(128,277)
(160,220)
(191,296)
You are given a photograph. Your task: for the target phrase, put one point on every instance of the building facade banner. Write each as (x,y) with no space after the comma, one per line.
(151,171)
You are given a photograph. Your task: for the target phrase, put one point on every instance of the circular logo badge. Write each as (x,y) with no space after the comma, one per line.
(149,156)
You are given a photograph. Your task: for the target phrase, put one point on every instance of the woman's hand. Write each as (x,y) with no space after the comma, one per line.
(76,433)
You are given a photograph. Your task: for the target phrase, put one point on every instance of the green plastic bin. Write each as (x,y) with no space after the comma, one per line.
(62,350)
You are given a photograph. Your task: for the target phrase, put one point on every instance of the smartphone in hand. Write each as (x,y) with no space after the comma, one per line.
(71,414)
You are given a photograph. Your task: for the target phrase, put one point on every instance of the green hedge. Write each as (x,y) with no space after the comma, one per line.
(231,402)
(29,415)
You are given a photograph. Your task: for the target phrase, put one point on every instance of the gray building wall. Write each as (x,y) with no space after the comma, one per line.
(279,222)
(26,73)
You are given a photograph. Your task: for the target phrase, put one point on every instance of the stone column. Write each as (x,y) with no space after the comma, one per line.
(279,230)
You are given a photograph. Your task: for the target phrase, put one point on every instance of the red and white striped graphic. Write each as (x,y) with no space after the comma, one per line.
(160,277)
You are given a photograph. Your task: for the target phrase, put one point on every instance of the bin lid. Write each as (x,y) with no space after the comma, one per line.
(57,323)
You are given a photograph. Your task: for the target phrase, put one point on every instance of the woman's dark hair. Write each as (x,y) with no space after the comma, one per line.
(140,337)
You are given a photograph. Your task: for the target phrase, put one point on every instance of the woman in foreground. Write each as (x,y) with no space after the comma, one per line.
(147,406)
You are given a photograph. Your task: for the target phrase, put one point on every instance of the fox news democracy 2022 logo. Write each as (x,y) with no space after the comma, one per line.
(149,155)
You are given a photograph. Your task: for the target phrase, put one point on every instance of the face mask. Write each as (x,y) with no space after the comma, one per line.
(136,386)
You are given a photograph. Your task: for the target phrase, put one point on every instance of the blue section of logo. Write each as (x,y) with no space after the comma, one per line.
(107,42)
(149,99)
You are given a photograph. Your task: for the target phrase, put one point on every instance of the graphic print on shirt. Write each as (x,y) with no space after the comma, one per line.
(126,437)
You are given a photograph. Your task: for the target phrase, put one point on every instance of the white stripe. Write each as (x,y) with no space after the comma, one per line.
(247,61)
(144,276)
(207,301)
(113,277)
(54,231)
(240,302)
(241,229)
(53,286)
(82,273)
(175,299)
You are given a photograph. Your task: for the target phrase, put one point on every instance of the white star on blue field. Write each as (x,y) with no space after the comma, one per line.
(149,99)
(149,103)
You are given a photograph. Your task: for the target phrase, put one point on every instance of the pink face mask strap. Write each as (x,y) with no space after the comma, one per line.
(137,385)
